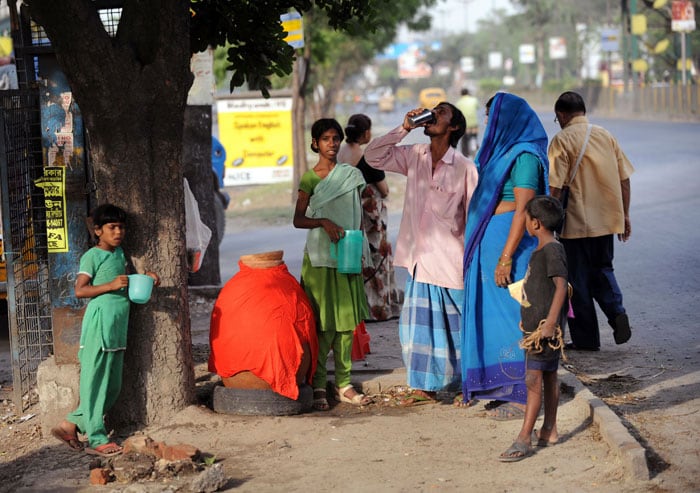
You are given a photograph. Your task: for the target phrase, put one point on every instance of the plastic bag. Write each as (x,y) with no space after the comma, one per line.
(197,233)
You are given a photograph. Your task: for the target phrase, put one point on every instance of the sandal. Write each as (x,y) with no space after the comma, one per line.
(517,451)
(494,404)
(356,400)
(320,402)
(105,450)
(506,412)
(70,439)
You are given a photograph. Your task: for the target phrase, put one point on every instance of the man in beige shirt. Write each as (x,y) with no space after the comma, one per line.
(598,208)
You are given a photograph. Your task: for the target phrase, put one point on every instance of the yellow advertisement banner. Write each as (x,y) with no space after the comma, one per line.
(54,184)
(257,135)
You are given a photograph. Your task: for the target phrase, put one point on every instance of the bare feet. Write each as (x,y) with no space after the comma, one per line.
(458,401)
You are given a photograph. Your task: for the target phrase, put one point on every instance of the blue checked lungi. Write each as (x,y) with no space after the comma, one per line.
(429,331)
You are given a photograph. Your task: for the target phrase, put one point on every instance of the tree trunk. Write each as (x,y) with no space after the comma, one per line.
(332,91)
(299,84)
(540,61)
(196,156)
(132,90)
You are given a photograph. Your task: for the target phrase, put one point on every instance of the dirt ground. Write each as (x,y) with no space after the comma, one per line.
(381,447)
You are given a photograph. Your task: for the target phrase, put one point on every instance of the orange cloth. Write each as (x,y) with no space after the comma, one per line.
(360,342)
(259,323)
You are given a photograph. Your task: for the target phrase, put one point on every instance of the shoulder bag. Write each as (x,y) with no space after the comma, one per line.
(564,197)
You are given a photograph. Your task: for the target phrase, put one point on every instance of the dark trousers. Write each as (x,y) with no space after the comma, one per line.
(592,277)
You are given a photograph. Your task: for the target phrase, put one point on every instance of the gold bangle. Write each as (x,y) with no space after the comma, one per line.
(506,263)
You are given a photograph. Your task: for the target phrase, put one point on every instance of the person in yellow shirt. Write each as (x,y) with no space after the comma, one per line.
(588,159)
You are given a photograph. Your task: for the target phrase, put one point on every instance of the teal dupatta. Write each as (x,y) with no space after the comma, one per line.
(336,197)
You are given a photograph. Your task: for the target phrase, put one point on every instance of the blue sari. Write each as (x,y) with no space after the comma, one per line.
(493,365)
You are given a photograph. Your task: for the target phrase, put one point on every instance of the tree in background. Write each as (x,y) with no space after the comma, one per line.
(330,57)
(335,56)
(132,90)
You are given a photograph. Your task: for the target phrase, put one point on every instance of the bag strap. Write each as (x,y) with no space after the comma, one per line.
(580,154)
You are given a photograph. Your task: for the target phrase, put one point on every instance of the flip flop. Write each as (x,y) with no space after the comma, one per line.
(70,439)
(105,450)
(494,404)
(541,442)
(516,452)
(415,399)
(506,412)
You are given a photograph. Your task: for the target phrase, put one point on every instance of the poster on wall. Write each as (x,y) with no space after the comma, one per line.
(53,182)
(61,126)
(257,135)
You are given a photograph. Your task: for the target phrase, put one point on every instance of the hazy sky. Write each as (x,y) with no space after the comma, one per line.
(452,15)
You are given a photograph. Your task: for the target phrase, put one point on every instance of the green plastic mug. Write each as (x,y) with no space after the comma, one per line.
(348,252)
(140,287)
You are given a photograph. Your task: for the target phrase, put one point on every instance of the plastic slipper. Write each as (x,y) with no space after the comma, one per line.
(69,439)
(105,450)
(494,404)
(506,412)
(320,403)
(517,451)
(541,442)
(415,399)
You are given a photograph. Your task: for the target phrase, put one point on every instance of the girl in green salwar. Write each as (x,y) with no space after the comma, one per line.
(101,277)
(328,203)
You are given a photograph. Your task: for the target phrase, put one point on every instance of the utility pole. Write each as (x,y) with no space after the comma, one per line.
(629,49)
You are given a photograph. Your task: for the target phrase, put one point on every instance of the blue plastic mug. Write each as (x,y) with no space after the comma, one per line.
(348,252)
(140,287)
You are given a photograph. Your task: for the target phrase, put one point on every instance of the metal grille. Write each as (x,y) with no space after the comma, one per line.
(24,236)
(39,37)
(110,20)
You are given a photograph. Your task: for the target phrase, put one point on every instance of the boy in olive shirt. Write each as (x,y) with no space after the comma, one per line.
(542,313)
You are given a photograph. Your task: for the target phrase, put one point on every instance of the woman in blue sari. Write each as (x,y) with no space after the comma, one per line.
(512,164)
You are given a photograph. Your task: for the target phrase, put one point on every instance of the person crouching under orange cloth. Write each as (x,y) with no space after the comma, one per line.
(262,333)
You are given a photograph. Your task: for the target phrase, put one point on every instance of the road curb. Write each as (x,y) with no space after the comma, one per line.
(631,453)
